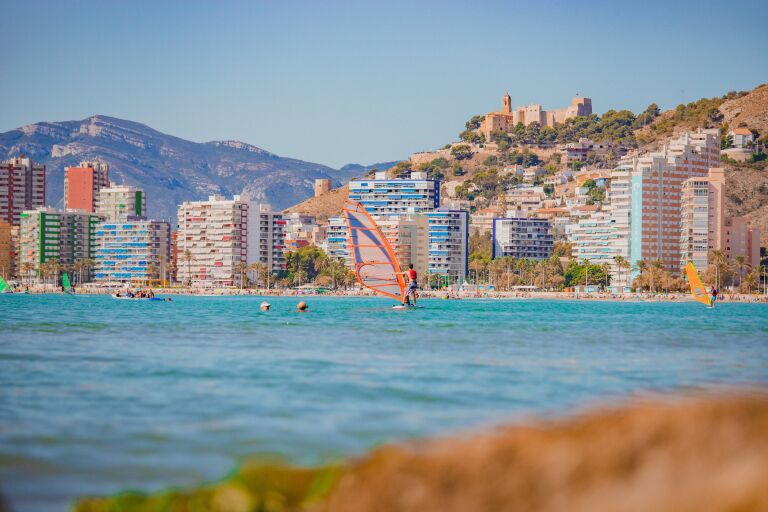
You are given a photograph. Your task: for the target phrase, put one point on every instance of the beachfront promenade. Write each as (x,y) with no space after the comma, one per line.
(433,294)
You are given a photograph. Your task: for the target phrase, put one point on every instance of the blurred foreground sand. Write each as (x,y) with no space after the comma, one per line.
(694,454)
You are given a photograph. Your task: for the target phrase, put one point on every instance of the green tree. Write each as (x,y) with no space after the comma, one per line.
(562,249)
(579,273)
(647,116)
(461,152)
(472,137)
(474,122)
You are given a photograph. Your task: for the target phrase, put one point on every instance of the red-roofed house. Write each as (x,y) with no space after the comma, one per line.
(742,137)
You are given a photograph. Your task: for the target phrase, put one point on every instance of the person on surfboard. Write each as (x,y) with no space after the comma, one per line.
(412,286)
(712,301)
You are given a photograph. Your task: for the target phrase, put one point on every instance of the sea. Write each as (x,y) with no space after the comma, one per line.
(99,395)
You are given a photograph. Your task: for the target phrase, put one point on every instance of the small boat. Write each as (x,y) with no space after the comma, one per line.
(125,297)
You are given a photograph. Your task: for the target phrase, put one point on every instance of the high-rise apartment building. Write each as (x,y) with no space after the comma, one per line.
(595,239)
(656,183)
(448,251)
(212,241)
(6,250)
(82,185)
(22,187)
(522,237)
(118,202)
(389,197)
(408,235)
(705,227)
(132,250)
(336,235)
(49,234)
(266,237)
(216,237)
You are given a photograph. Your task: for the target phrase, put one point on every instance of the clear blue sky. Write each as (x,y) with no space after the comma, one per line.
(336,82)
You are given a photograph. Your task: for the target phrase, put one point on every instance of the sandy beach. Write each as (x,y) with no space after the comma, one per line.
(432,294)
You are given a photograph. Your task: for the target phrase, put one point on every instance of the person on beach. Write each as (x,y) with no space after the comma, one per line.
(412,285)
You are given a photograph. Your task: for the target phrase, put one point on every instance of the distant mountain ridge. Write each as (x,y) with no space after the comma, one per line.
(170,169)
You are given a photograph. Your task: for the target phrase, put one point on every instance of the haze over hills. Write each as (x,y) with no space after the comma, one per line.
(170,169)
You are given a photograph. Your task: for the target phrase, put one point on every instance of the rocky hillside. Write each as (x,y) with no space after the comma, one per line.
(732,110)
(748,195)
(324,206)
(750,110)
(169,169)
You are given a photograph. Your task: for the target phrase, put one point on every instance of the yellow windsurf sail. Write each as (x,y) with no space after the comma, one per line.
(698,289)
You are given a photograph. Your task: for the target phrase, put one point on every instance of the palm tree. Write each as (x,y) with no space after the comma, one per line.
(477,265)
(53,271)
(622,264)
(741,264)
(749,282)
(171,270)
(44,271)
(720,261)
(299,277)
(656,274)
(262,273)
(349,278)
(606,267)
(186,257)
(26,269)
(241,269)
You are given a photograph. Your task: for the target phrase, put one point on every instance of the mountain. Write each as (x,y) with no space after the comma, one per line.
(171,170)
(360,170)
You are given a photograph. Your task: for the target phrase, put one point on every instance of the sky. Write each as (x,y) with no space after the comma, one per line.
(335,82)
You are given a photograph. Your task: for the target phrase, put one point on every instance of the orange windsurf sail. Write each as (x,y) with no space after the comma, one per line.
(376,265)
(698,289)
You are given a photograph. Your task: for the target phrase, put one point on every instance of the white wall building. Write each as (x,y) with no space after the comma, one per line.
(388,197)
(118,202)
(217,236)
(448,243)
(336,240)
(522,237)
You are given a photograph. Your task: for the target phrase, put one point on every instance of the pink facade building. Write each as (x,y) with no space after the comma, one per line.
(705,227)
(655,185)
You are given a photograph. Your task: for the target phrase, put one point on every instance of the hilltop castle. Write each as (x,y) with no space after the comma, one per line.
(508,118)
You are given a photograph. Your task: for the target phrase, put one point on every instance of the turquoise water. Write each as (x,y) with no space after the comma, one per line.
(99,395)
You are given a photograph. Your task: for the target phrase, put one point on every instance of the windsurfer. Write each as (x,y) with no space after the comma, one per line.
(412,286)
(713,292)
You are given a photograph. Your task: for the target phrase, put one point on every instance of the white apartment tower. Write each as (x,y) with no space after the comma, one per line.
(118,202)
(218,236)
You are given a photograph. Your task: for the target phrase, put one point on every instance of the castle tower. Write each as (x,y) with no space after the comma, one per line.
(507,104)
